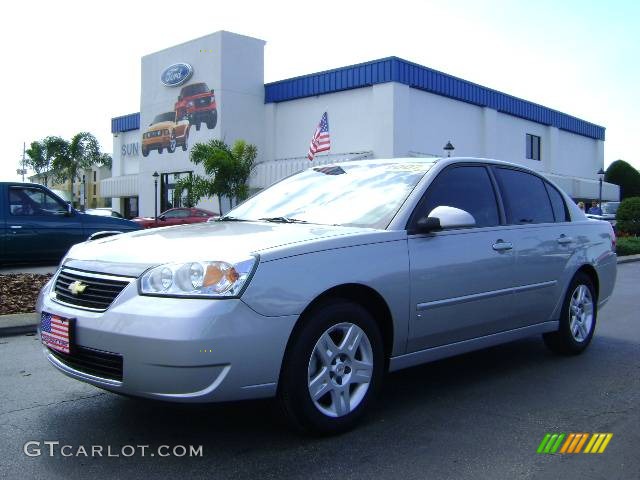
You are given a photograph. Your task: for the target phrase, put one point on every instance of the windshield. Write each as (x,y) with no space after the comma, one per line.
(194,89)
(610,207)
(354,194)
(165,117)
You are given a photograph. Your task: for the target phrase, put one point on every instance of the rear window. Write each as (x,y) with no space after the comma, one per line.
(557,203)
(525,197)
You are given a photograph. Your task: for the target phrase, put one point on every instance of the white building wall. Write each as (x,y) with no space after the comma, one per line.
(434,120)
(384,120)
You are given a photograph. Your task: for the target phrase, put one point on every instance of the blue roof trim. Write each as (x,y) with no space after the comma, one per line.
(125,123)
(394,69)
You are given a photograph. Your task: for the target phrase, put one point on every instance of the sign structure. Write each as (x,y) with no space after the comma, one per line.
(176,74)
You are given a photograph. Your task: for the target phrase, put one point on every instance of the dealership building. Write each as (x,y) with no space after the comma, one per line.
(213,88)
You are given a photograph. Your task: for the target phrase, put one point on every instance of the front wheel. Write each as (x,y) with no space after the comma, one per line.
(333,368)
(577,318)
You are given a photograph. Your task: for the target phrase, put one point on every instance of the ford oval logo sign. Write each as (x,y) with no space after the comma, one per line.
(176,74)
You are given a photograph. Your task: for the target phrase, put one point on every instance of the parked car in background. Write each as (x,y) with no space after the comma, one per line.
(36,225)
(176,216)
(313,288)
(609,210)
(166,131)
(197,104)
(103,212)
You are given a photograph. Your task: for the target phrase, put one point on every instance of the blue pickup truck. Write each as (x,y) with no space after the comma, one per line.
(37,226)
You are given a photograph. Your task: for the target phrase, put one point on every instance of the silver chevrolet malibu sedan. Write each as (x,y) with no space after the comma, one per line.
(313,289)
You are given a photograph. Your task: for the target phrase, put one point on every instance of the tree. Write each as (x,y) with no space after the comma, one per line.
(227,168)
(625,176)
(38,159)
(70,158)
(628,216)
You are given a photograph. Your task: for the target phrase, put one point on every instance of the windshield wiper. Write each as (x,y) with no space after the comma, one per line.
(227,218)
(282,220)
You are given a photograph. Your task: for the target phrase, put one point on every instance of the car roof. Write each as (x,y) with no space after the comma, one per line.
(444,161)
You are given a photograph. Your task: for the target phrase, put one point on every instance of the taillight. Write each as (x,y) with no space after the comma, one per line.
(613,238)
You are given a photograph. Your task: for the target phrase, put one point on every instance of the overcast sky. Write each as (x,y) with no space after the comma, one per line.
(72,66)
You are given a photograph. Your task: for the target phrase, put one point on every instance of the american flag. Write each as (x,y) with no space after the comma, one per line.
(320,141)
(54,332)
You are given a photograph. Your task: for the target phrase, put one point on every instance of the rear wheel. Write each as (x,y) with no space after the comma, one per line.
(333,368)
(577,320)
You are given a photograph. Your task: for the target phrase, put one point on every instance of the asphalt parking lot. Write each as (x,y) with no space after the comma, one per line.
(481,415)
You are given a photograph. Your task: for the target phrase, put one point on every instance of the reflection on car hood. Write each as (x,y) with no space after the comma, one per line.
(228,241)
(161,125)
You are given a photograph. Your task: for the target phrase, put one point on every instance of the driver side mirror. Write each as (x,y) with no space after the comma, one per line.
(69,209)
(443,218)
(162,217)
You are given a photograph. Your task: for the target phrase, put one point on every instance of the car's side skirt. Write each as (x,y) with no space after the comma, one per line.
(443,351)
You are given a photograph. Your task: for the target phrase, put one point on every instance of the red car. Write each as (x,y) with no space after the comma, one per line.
(197,104)
(176,216)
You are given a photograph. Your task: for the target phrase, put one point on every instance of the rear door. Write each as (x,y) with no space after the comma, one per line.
(543,240)
(460,278)
(39,225)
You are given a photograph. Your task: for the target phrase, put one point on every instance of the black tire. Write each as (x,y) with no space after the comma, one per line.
(212,120)
(172,146)
(145,152)
(293,388)
(563,340)
(160,149)
(198,126)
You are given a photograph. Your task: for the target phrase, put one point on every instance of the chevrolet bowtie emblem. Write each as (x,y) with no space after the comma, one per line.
(77,287)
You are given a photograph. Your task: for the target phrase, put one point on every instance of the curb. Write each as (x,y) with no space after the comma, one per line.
(18,324)
(629,259)
(25,323)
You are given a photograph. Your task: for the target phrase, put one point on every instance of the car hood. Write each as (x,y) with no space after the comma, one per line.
(161,125)
(226,241)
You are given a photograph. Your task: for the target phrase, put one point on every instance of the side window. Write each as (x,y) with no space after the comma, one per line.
(525,197)
(25,201)
(467,188)
(181,213)
(557,203)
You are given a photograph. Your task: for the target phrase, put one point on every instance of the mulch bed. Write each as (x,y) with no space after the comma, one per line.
(19,291)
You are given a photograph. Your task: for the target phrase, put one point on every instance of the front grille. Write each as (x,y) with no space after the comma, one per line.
(203,102)
(100,291)
(94,362)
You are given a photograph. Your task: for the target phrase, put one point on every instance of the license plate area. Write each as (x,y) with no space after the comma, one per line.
(56,332)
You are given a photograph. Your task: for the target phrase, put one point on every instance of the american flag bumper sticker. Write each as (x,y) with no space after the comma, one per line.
(55,332)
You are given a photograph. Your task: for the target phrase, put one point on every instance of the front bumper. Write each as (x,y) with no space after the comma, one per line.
(183,350)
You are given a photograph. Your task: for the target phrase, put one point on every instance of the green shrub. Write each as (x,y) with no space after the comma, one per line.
(624,175)
(628,216)
(628,246)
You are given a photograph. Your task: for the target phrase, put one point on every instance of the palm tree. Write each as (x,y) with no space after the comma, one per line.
(227,169)
(69,159)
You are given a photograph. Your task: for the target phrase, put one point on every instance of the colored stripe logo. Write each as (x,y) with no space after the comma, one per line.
(574,442)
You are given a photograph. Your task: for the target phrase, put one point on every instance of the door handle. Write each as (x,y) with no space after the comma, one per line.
(564,240)
(501,246)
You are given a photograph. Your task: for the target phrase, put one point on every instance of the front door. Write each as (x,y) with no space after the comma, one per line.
(39,225)
(461,279)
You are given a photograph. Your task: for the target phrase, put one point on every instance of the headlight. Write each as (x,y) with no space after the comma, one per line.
(190,103)
(208,279)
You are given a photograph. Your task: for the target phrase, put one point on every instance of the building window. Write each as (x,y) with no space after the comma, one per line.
(94,189)
(94,176)
(533,147)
